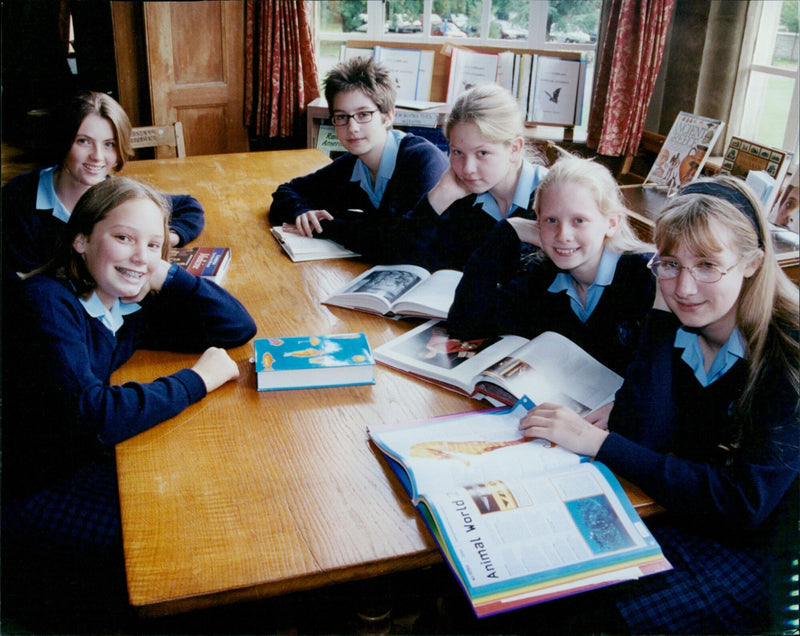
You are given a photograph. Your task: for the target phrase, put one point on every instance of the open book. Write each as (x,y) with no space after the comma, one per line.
(549,368)
(302,248)
(399,290)
(518,520)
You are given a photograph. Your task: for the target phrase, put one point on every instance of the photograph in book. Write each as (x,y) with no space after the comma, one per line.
(685,150)
(519,520)
(547,368)
(557,93)
(399,290)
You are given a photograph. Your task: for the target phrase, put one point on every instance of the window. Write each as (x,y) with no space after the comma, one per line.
(515,24)
(766,101)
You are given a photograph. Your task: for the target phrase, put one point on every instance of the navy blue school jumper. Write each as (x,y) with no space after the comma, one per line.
(371,232)
(29,235)
(62,418)
(497,295)
(730,530)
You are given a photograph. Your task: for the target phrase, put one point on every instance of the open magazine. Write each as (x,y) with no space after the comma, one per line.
(399,290)
(518,520)
(549,368)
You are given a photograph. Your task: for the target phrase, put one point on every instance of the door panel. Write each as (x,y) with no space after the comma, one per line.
(195,54)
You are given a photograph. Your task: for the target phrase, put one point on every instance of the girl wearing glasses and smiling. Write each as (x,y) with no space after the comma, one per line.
(706,422)
(356,200)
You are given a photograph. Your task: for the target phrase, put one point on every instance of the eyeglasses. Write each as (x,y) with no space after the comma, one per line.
(702,273)
(361,117)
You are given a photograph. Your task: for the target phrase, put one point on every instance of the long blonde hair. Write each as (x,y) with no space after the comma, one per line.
(767,313)
(598,180)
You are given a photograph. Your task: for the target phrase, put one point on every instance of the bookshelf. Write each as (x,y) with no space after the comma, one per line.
(317,110)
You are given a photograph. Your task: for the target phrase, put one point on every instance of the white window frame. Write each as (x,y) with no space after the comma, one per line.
(747,67)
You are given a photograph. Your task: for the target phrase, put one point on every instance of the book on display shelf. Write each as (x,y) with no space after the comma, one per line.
(502,369)
(518,520)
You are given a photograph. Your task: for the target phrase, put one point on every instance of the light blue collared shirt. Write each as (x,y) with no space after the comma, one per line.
(385,169)
(603,278)
(46,197)
(111,318)
(726,357)
(529,178)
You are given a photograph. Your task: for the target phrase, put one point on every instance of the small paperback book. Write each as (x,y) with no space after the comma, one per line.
(685,150)
(209,262)
(548,368)
(399,290)
(743,156)
(302,248)
(518,520)
(305,362)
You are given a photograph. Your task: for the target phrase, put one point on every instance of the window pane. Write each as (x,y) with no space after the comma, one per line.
(343,16)
(766,110)
(509,19)
(403,16)
(777,36)
(456,18)
(573,21)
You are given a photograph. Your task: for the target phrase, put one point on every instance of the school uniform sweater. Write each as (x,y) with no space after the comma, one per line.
(372,232)
(497,295)
(29,235)
(60,412)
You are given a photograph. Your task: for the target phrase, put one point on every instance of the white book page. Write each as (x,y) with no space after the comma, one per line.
(302,248)
(432,297)
(551,368)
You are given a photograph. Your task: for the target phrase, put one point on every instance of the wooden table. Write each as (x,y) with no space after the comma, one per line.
(246,494)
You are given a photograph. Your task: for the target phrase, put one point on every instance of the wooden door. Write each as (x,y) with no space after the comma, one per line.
(195,56)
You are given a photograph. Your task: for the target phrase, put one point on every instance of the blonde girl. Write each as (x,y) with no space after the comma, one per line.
(707,421)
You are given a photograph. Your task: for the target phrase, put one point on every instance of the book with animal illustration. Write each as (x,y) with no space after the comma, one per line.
(548,368)
(519,520)
(304,362)
(209,262)
(556,96)
(303,248)
(399,290)
(685,150)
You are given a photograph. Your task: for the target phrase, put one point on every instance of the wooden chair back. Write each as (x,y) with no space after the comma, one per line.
(170,135)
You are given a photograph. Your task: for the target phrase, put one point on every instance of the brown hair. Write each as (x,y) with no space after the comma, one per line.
(364,74)
(87,103)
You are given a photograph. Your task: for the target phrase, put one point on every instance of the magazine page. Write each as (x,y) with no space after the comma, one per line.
(429,352)
(379,287)
(467,448)
(432,297)
(685,150)
(552,368)
(514,541)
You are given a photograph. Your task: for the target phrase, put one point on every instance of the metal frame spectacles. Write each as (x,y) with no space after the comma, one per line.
(704,273)
(361,117)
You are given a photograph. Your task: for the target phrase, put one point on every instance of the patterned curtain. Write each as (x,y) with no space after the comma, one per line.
(281,73)
(626,74)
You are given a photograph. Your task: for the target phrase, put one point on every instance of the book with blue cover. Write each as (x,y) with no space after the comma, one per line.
(305,362)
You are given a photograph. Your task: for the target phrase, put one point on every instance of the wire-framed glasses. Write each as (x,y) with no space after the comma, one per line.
(361,117)
(702,273)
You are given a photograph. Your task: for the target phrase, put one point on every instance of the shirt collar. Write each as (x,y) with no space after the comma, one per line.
(385,169)
(732,351)
(46,197)
(563,282)
(522,195)
(111,318)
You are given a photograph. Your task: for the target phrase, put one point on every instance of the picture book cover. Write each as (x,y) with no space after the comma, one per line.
(301,362)
(209,262)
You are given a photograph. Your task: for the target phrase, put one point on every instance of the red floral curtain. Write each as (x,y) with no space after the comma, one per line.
(626,74)
(281,73)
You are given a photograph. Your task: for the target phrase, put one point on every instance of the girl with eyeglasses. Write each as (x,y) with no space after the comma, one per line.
(357,199)
(589,282)
(706,422)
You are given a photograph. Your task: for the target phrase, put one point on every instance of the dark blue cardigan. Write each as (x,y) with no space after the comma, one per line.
(497,295)
(378,235)
(29,235)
